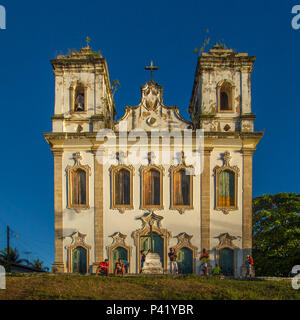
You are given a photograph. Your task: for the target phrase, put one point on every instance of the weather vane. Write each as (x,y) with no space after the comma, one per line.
(151,68)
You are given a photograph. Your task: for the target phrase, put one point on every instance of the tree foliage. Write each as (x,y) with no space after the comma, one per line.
(10,257)
(276,233)
(38,264)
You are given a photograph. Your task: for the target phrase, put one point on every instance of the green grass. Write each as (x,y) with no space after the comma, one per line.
(192,287)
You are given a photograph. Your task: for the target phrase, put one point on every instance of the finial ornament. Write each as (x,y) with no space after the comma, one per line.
(151,68)
(227,158)
(77,158)
(88,40)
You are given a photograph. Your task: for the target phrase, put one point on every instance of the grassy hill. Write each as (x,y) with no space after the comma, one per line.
(77,287)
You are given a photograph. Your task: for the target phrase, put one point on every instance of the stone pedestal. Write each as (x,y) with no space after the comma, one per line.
(152,264)
(58,268)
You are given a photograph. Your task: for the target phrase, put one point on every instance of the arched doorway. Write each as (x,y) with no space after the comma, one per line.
(79,260)
(117,254)
(185,260)
(227,261)
(158,245)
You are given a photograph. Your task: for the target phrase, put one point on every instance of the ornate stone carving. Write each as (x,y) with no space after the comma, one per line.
(151,95)
(225,240)
(78,238)
(118,238)
(151,219)
(184,238)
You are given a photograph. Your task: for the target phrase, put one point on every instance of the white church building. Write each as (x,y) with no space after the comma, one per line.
(153,176)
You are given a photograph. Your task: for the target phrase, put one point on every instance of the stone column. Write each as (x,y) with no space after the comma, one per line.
(58,266)
(247,205)
(98,211)
(205,201)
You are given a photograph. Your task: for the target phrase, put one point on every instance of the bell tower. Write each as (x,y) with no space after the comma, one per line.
(221,98)
(83,96)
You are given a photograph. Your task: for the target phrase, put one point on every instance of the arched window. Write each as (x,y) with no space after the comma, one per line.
(226,189)
(181,188)
(226,185)
(225,96)
(122,187)
(152,187)
(78,187)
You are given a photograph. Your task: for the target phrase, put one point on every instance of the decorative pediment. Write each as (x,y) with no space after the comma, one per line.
(226,165)
(151,219)
(79,239)
(225,240)
(118,238)
(151,95)
(159,168)
(151,114)
(184,238)
(77,159)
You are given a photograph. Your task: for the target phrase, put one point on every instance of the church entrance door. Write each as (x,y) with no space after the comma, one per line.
(117,254)
(185,260)
(227,261)
(79,260)
(158,245)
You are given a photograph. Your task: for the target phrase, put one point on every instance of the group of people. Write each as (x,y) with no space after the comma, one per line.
(174,265)
(122,265)
(204,257)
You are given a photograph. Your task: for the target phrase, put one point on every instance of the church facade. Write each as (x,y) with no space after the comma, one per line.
(153,179)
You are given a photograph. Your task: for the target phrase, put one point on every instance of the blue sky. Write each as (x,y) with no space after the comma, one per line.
(130,34)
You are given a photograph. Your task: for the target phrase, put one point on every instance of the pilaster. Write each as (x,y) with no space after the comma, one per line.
(205,200)
(58,266)
(247,205)
(98,213)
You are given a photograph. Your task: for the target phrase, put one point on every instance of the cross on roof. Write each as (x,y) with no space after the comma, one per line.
(77,157)
(88,40)
(151,68)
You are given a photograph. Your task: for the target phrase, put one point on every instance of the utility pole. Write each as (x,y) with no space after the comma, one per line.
(8,240)
(8,267)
